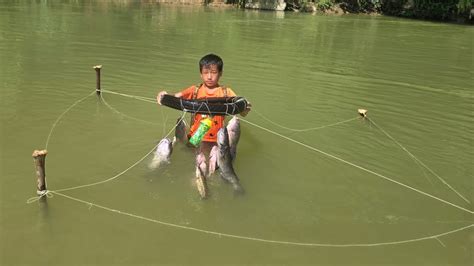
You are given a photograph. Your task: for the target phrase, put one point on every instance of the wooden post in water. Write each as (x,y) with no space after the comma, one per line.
(97,72)
(39,157)
(362,112)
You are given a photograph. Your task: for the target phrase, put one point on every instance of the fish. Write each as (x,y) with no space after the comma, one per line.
(233,129)
(201,169)
(180,132)
(162,153)
(224,161)
(213,160)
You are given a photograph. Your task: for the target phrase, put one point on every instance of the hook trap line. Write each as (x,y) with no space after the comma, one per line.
(49,193)
(345,161)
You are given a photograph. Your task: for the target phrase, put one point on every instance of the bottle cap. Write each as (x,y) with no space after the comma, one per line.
(207,121)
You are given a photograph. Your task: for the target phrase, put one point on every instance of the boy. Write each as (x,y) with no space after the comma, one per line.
(210,68)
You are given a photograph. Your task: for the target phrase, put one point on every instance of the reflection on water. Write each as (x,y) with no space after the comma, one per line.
(300,72)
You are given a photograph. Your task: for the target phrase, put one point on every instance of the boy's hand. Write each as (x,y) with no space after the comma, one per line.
(247,110)
(160,96)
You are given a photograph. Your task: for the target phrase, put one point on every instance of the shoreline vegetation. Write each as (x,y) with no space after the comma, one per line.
(460,11)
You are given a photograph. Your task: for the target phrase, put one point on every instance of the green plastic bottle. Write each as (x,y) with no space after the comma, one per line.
(204,126)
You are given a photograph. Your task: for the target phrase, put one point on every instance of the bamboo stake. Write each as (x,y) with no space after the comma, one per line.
(97,72)
(362,112)
(39,158)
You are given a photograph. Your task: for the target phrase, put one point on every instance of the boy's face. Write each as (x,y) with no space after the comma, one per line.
(210,75)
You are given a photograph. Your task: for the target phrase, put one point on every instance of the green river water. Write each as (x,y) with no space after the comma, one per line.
(323,186)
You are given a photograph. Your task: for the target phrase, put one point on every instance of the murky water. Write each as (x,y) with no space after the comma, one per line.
(323,185)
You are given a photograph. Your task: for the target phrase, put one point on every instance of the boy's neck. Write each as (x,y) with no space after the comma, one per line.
(211,88)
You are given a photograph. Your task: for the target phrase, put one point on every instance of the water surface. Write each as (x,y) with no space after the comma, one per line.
(324,186)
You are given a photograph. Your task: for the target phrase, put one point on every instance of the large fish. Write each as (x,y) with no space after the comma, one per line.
(201,170)
(162,153)
(233,129)
(180,131)
(224,160)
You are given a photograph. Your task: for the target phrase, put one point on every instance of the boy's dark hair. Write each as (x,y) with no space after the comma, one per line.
(211,59)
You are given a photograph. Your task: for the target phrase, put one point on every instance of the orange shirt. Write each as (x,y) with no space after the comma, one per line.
(217,120)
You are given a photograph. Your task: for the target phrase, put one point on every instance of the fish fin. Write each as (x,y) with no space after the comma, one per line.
(238,189)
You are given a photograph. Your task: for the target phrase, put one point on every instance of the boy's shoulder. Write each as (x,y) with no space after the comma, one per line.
(228,92)
(195,92)
(223,91)
(188,92)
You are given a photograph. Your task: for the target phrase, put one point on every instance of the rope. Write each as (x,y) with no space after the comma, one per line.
(317,150)
(125,115)
(270,241)
(418,161)
(119,174)
(305,129)
(45,193)
(141,98)
(61,116)
(108,179)
(50,194)
(359,167)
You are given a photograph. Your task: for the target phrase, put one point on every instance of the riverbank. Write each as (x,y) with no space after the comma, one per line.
(460,11)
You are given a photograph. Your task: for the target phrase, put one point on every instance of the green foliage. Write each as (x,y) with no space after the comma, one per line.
(393,7)
(361,5)
(435,9)
(325,4)
(426,9)
(464,6)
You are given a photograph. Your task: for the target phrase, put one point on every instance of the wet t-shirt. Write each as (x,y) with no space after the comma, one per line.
(217,120)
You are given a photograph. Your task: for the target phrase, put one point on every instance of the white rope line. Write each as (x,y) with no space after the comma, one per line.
(440,242)
(141,98)
(125,115)
(61,116)
(342,160)
(109,179)
(41,194)
(420,162)
(106,180)
(49,194)
(293,243)
(119,174)
(280,135)
(115,176)
(359,167)
(304,129)
(152,100)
